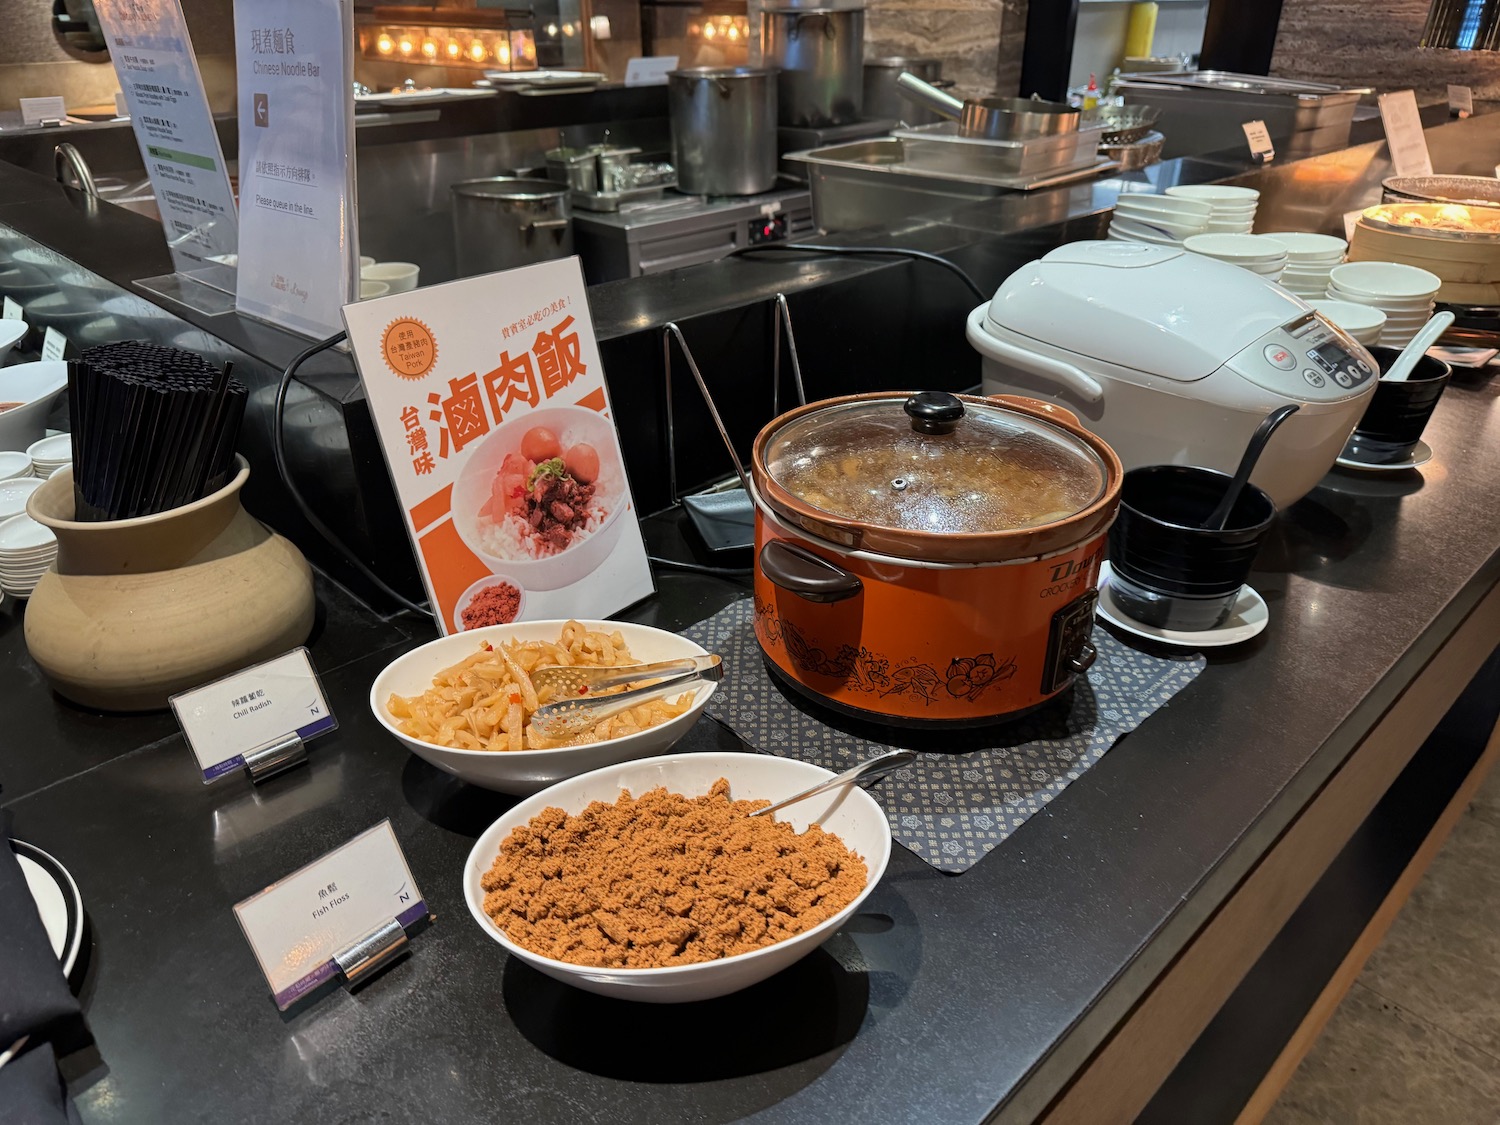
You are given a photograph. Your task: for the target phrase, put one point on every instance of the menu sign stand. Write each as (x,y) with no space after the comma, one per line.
(299,257)
(259,719)
(343,916)
(495,421)
(1262,151)
(1403,134)
(163,91)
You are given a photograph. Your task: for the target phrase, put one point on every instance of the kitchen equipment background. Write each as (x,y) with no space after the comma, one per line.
(818,52)
(883,98)
(1085,326)
(951,811)
(501,223)
(723,129)
(994,119)
(1201,110)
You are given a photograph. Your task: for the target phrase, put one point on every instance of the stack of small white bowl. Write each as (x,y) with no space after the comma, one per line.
(27,549)
(1233,207)
(1404,293)
(14,464)
(1309,258)
(1158,220)
(1254,252)
(50,454)
(1363,322)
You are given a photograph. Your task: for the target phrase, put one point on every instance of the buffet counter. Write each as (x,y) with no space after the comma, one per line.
(1060,978)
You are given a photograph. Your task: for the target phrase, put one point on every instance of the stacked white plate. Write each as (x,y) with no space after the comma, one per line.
(50,454)
(1159,220)
(1404,293)
(14,493)
(27,549)
(1233,207)
(1363,322)
(14,464)
(1254,252)
(1309,258)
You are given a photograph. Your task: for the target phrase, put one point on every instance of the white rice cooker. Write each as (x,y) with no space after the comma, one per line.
(1174,358)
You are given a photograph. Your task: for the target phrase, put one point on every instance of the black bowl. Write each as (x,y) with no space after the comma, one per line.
(1397,412)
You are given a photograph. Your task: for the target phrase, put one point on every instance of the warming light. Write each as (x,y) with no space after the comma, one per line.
(429,48)
(502,53)
(385,44)
(406,46)
(569,30)
(552,30)
(454,50)
(476,51)
(709,31)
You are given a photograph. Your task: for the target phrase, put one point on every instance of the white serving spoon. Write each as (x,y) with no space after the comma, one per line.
(1426,336)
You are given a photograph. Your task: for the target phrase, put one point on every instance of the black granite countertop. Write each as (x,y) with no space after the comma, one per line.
(948,999)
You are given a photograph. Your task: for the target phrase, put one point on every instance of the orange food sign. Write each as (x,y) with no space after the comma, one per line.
(496,426)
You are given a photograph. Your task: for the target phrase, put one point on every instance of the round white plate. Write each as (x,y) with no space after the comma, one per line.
(57,901)
(1421,454)
(13,494)
(58,447)
(1249,618)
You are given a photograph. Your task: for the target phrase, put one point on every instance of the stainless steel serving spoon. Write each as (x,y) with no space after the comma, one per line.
(868,770)
(568,718)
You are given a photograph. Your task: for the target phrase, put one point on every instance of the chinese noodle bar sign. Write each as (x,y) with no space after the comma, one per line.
(489,397)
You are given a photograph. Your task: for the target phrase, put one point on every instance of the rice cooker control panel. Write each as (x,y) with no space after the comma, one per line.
(1308,360)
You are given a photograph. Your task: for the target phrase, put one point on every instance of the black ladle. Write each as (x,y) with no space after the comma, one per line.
(1253,451)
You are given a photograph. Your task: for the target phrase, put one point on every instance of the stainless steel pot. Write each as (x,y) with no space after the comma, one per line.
(818,51)
(883,99)
(503,222)
(723,129)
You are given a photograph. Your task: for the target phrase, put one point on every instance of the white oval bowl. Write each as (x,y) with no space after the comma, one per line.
(37,385)
(1386,280)
(520,772)
(848,812)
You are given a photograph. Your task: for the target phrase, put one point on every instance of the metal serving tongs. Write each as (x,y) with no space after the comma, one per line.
(570,717)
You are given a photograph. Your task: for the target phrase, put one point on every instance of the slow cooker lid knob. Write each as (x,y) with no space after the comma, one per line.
(934,412)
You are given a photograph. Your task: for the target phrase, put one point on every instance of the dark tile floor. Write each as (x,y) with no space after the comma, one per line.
(1417,1040)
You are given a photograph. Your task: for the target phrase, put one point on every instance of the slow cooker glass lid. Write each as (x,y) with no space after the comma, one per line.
(974,470)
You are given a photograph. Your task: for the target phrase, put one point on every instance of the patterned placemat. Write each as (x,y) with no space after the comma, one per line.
(968,790)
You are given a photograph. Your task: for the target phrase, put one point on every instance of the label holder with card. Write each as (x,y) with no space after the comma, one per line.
(259,718)
(1262,150)
(12,310)
(344,915)
(54,344)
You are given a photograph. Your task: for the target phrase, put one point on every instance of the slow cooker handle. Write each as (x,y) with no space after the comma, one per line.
(1087,654)
(811,577)
(1051,409)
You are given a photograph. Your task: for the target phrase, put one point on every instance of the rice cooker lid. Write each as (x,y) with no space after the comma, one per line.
(1154,309)
(933,463)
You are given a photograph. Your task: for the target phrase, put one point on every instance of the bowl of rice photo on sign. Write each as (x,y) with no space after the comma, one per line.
(543,498)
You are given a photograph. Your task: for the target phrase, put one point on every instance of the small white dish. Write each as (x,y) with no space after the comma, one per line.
(369,289)
(1303,246)
(14,493)
(21,536)
(365,260)
(57,448)
(1247,619)
(1241,249)
(1183,209)
(1386,280)
(57,901)
(1420,454)
(14,465)
(400,276)
(1216,193)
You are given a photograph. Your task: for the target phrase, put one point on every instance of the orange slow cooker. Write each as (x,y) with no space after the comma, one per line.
(929,558)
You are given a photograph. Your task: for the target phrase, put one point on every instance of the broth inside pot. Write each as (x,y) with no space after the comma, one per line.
(941,466)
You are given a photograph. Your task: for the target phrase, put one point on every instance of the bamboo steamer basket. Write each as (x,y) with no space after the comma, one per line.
(1468,261)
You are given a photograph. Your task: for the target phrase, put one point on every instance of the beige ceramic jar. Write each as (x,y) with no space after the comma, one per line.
(137,610)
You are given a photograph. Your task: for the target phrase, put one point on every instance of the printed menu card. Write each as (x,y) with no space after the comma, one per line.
(489,397)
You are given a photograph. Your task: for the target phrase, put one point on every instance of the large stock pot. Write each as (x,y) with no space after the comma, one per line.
(929,559)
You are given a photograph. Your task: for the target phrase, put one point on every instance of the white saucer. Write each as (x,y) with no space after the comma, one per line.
(57,901)
(1421,454)
(1249,618)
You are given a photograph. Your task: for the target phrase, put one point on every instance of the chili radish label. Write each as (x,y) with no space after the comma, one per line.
(489,397)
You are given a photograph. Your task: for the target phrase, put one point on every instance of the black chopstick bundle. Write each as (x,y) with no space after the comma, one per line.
(154,428)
